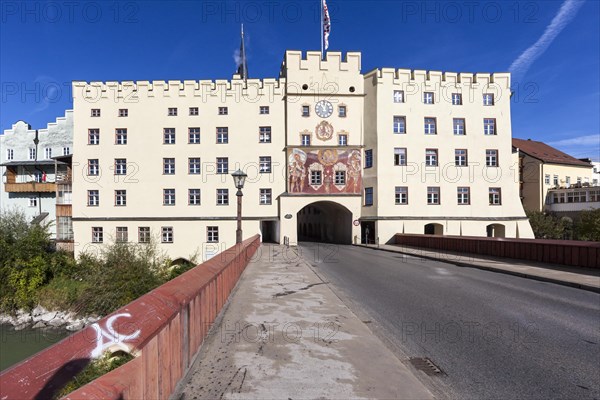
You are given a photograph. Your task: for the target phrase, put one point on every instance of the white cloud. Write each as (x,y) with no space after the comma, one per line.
(567,12)
(588,140)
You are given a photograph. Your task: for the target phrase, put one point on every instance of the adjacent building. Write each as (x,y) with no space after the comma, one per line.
(544,168)
(332,155)
(28,167)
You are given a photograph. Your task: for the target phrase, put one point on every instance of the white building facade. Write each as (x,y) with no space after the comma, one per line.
(332,155)
(28,169)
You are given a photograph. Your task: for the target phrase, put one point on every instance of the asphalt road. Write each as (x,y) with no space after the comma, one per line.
(494,336)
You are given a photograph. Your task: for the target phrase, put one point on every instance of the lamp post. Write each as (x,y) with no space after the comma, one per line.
(239,177)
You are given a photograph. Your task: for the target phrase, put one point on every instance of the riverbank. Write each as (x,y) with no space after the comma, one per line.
(16,346)
(41,318)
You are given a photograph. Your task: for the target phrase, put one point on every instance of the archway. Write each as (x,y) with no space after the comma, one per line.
(326,222)
(495,230)
(434,229)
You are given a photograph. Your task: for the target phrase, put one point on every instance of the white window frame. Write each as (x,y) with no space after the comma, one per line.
(399,124)
(194,197)
(401,195)
(264,134)
(265,196)
(194,135)
(430,125)
(166,234)
(222,165)
(169,197)
(169,136)
(222,197)
(120,198)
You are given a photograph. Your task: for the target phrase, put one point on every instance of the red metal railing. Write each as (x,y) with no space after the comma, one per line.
(164,329)
(565,252)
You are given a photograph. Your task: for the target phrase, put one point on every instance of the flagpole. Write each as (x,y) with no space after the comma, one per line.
(321,34)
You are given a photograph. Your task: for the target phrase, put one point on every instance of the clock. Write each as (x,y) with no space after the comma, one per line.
(324,109)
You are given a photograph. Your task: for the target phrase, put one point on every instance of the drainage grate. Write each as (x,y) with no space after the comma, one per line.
(426,365)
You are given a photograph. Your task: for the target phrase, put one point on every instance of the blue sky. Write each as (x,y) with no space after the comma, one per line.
(552,46)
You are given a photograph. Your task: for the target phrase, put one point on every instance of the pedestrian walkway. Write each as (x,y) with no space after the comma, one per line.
(286,335)
(583,278)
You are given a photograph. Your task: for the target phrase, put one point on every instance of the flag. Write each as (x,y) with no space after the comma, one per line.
(326,25)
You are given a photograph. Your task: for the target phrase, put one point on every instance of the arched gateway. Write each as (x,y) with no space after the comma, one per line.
(325,222)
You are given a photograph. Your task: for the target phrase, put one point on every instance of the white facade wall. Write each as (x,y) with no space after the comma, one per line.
(57,136)
(304,81)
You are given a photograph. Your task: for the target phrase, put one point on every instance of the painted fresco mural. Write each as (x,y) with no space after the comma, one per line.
(325,171)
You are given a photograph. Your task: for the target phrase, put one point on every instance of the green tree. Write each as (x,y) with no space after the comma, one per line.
(550,226)
(587,225)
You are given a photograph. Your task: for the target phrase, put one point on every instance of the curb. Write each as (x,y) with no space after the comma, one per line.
(581,286)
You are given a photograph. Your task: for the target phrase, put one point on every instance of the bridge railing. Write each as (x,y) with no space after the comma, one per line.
(565,252)
(164,329)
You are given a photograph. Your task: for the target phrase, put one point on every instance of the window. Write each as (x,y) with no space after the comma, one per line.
(264,165)
(431,157)
(194,135)
(33,201)
(458,126)
(222,165)
(265,196)
(166,234)
(93,198)
(120,166)
(400,156)
(369,196)
(222,135)
(495,198)
(340,177)
(120,197)
(194,165)
(169,136)
(401,195)
(168,197)
(48,152)
(32,153)
(463,195)
(547,179)
(430,126)
(428,97)
(121,136)
(368,158)
(64,228)
(194,197)
(93,136)
(172,112)
(306,111)
(305,140)
(399,124)
(264,134)
(456,99)
(10,154)
(555,180)
(398,96)
(488,99)
(568,181)
(66,151)
(579,180)
(123,112)
(343,140)
(144,234)
(97,234)
(491,158)
(489,126)
(223,111)
(342,111)
(168,166)
(263,110)
(315,177)
(433,195)
(212,234)
(194,111)
(122,236)
(93,167)
(460,157)
(222,197)
(95,112)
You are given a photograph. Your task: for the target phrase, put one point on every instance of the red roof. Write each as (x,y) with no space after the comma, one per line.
(546,153)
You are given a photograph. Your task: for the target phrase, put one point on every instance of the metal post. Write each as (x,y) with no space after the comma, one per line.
(238,232)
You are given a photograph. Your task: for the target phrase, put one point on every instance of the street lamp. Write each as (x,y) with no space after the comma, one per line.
(239,177)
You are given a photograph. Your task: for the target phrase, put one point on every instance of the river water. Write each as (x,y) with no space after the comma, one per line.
(16,346)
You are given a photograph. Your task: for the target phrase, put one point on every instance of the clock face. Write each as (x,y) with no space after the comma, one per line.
(324,109)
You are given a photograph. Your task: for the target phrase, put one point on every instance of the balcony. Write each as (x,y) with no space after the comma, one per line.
(30,187)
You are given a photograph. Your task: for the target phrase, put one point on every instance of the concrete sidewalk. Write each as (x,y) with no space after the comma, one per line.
(583,278)
(286,335)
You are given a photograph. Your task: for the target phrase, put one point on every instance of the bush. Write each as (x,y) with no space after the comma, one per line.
(550,226)
(587,225)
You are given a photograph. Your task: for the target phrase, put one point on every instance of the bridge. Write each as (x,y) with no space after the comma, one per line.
(412,319)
